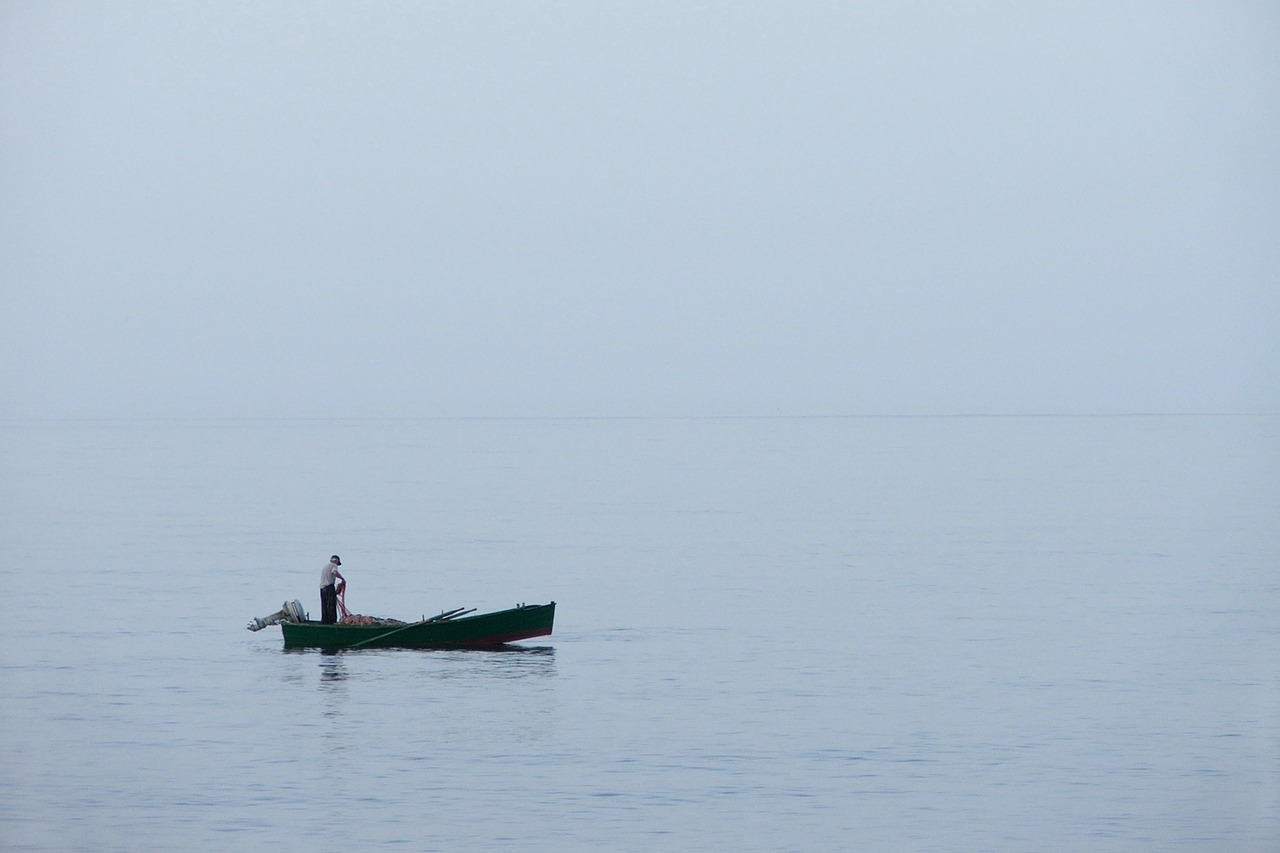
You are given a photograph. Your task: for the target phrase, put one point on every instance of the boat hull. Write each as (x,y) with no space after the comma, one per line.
(483,630)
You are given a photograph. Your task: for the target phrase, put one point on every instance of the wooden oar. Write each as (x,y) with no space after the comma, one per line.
(448,614)
(443,616)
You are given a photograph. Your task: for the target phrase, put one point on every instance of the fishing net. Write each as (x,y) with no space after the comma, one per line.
(358,619)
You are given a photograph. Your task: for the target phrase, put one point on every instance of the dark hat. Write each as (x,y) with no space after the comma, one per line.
(334,559)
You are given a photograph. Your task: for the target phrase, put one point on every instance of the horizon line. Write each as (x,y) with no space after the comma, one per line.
(632,417)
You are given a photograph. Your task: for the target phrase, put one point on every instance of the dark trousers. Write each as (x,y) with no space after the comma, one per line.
(328,604)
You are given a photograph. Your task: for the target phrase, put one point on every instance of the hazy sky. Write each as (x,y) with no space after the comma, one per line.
(605,208)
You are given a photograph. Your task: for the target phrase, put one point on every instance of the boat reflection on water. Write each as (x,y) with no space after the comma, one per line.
(507,661)
(501,662)
(470,651)
(332,668)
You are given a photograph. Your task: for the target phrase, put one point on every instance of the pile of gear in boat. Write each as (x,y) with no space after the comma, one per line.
(358,619)
(292,611)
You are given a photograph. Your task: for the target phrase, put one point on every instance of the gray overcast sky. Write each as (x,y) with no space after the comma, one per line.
(584,208)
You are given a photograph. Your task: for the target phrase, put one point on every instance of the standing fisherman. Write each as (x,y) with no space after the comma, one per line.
(328,594)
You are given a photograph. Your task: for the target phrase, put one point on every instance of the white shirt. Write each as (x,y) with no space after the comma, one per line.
(326,574)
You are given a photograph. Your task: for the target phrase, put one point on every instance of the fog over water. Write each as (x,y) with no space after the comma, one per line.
(561,208)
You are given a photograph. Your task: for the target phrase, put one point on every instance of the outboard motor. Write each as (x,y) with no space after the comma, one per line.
(291,612)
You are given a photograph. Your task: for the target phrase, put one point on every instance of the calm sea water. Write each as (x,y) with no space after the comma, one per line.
(772,634)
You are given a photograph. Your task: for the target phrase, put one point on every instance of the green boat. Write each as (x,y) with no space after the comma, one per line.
(451,629)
